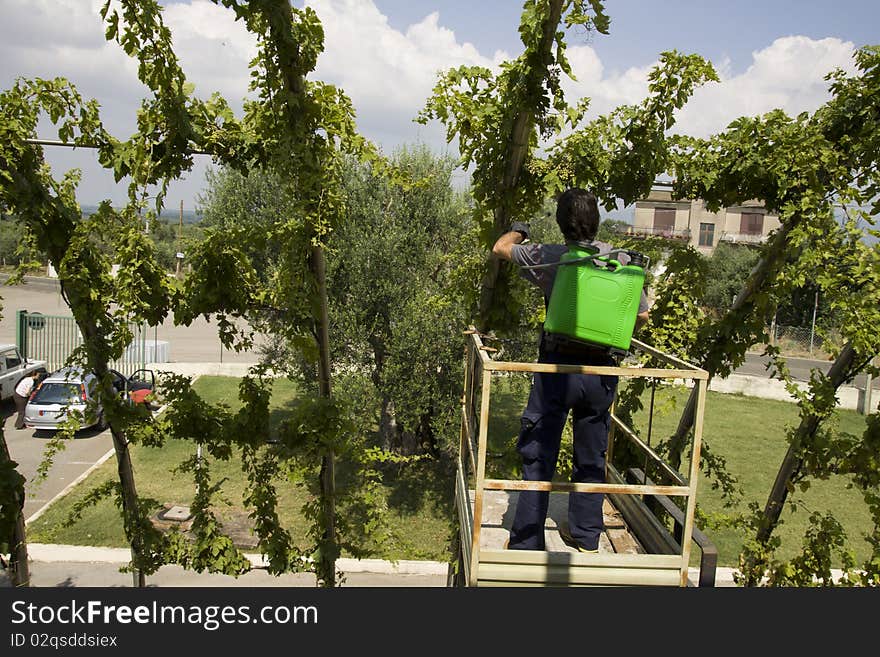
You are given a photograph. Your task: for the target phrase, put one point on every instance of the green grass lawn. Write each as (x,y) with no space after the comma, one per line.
(419,500)
(748,432)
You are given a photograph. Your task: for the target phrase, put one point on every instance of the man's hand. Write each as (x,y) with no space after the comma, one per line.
(521,227)
(519,232)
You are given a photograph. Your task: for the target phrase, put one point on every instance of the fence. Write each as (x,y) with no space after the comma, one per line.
(53,338)
(799,341)
(683,234)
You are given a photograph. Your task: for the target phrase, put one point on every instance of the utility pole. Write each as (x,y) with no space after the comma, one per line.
(867,405)
(179,231)
(813,325)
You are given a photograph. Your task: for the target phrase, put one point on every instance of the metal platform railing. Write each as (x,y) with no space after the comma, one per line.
(481,566)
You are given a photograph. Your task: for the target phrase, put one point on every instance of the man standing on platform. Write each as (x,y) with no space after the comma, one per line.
(552,396)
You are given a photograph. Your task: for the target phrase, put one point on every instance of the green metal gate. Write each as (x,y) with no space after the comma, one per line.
(54,337)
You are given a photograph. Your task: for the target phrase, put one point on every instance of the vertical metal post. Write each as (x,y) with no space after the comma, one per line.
(464,440)
(72,330)
(687,534)
(650,427)
(21,332)
(481,474)
(813,324)
(461,493)
(612,431)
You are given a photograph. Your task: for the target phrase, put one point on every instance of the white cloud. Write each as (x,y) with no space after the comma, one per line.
(42,23)
(213,48)
(605,93)
(387,73)
(788,74)
(49,38)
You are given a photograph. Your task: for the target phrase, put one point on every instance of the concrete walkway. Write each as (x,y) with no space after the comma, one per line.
(68,565)
(80,566)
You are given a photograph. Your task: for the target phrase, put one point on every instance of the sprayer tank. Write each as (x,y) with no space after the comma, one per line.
(595,301)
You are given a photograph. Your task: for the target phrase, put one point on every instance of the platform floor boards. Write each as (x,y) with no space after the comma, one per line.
(497,518)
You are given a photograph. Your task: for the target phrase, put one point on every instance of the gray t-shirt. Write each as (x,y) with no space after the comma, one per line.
(527,255)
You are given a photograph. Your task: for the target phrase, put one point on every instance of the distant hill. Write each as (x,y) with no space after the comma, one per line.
(171,214)
(627,214)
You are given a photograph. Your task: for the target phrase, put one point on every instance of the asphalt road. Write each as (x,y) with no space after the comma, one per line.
(756,365)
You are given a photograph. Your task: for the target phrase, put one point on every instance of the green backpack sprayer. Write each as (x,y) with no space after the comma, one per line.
(595,298)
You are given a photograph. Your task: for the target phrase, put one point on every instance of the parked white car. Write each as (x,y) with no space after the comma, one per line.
(13,368)
(68,390)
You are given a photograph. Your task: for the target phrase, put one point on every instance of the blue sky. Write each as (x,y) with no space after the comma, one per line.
(641,28)
(386,53)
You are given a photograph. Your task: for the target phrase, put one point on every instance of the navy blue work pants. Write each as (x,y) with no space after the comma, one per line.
(588,398)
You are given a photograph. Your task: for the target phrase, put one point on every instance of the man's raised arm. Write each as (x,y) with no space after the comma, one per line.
(518,233)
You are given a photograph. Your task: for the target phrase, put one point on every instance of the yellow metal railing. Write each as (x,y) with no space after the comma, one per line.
(473,450)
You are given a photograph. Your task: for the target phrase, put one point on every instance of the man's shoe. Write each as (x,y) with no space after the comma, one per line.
(568,539)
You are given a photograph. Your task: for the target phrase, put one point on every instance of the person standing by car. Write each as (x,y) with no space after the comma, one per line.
(22,392)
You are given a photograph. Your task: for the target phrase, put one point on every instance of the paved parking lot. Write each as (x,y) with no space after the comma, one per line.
(195,344)
(26,447)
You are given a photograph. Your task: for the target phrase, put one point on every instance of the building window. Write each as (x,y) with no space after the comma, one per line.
(751,223)
(707,234)
(664,220)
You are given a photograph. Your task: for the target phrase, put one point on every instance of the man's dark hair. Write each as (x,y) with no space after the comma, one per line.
(577,213)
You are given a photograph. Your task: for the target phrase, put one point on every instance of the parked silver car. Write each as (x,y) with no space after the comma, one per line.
(69,389)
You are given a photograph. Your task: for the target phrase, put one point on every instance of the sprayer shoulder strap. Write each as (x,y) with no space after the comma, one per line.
(592,256)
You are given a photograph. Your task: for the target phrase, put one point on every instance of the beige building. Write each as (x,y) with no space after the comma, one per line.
(659,214)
